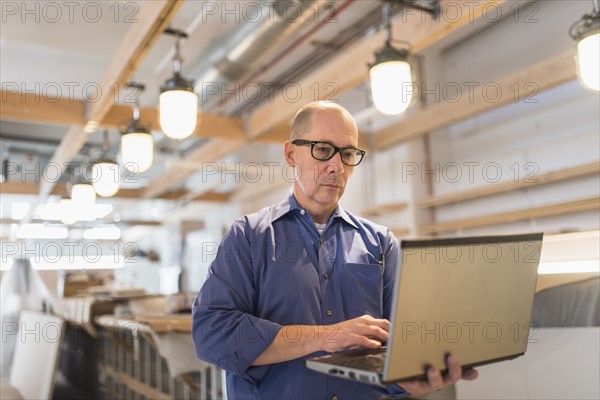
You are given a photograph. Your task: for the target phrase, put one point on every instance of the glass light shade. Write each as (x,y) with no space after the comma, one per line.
(67,214)
(588,61)
(83,195)
(390,86)
(178,111)
(137,151)
(106,178)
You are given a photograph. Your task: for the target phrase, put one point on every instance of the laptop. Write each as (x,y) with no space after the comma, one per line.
(471,297)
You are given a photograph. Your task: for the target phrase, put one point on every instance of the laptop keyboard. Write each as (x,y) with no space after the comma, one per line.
(368,362)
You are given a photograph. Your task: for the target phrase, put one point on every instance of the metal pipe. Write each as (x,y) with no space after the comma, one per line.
(245,52)
(387,18)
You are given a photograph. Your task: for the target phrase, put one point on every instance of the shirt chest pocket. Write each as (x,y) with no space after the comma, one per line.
(362,289)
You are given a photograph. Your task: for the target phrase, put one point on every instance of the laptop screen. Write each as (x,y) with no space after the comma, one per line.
(471,297)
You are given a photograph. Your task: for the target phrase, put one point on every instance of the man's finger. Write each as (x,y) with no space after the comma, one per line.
(366,342)
(375,332)
(454,370)
(380,322)
(435,378)
(470,374)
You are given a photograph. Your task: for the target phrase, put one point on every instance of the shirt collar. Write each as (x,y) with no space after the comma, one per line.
(290,203)
(340,212)
(285,206)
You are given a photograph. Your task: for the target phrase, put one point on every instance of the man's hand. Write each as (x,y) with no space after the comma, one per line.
(435,381)
(364,331)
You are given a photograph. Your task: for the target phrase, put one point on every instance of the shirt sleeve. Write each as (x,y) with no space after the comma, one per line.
(224,331)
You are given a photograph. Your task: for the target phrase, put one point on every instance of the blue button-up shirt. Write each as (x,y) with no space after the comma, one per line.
(274,269)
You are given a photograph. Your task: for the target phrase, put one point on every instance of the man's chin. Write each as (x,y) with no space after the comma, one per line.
(330,194)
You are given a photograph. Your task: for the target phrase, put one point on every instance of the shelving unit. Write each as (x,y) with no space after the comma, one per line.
(589,204)
(384,209)
(550,177)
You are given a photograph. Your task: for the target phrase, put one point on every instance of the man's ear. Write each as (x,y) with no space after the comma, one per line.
(289,153)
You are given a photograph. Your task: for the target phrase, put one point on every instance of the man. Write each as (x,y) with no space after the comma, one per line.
(303,277)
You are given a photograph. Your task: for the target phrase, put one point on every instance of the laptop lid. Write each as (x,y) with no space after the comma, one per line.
(471,297)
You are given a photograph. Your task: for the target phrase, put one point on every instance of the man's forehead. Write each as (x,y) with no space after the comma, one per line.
(333,119)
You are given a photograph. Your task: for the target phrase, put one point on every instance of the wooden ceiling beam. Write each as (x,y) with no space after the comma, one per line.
(213,151)
(512,88)
(59,189)
(210,125)
(271,122)
(349,68)
(154,17)
(8,221)
(29,107)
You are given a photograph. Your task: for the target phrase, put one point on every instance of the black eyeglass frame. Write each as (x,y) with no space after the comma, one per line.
(312,143)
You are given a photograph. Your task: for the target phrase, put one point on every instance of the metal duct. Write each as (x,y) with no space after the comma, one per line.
(243,53)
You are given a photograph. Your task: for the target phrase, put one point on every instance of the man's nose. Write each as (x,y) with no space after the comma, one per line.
(335,165)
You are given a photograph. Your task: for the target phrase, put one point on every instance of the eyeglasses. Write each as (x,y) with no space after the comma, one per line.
(324,151)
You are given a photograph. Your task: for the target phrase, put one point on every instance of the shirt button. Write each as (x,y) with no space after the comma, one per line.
(329,312)
(334,397)
(302,212)
(326,275)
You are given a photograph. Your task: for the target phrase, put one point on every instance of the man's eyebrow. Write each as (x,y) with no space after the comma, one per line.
(333,144)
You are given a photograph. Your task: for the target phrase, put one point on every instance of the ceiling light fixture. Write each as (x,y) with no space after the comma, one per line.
(586,31)
(83,194)
(106,176)
(137,144)
(178,103)
(66,211)
(391,73)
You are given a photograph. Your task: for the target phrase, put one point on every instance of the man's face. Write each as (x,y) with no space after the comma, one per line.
(320,184)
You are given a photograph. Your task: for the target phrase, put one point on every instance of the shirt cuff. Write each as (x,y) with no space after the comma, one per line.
(252,338)
(393,391)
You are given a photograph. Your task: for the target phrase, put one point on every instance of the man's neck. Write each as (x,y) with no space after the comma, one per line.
(316,212)
(320,218)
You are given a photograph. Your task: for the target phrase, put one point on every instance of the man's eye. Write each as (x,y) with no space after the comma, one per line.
(348,155)
(322,149)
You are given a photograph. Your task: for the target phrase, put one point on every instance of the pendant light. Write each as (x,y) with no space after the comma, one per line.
(178,103)
(137,144)
(67,216)
(391,73)
(586,31)
(83,194)
(106,176)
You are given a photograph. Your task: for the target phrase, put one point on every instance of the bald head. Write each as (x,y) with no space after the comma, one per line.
(303,120)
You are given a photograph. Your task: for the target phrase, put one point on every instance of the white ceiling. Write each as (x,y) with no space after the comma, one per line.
(52,54)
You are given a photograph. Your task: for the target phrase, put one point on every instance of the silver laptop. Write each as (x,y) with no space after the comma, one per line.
(471,297)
